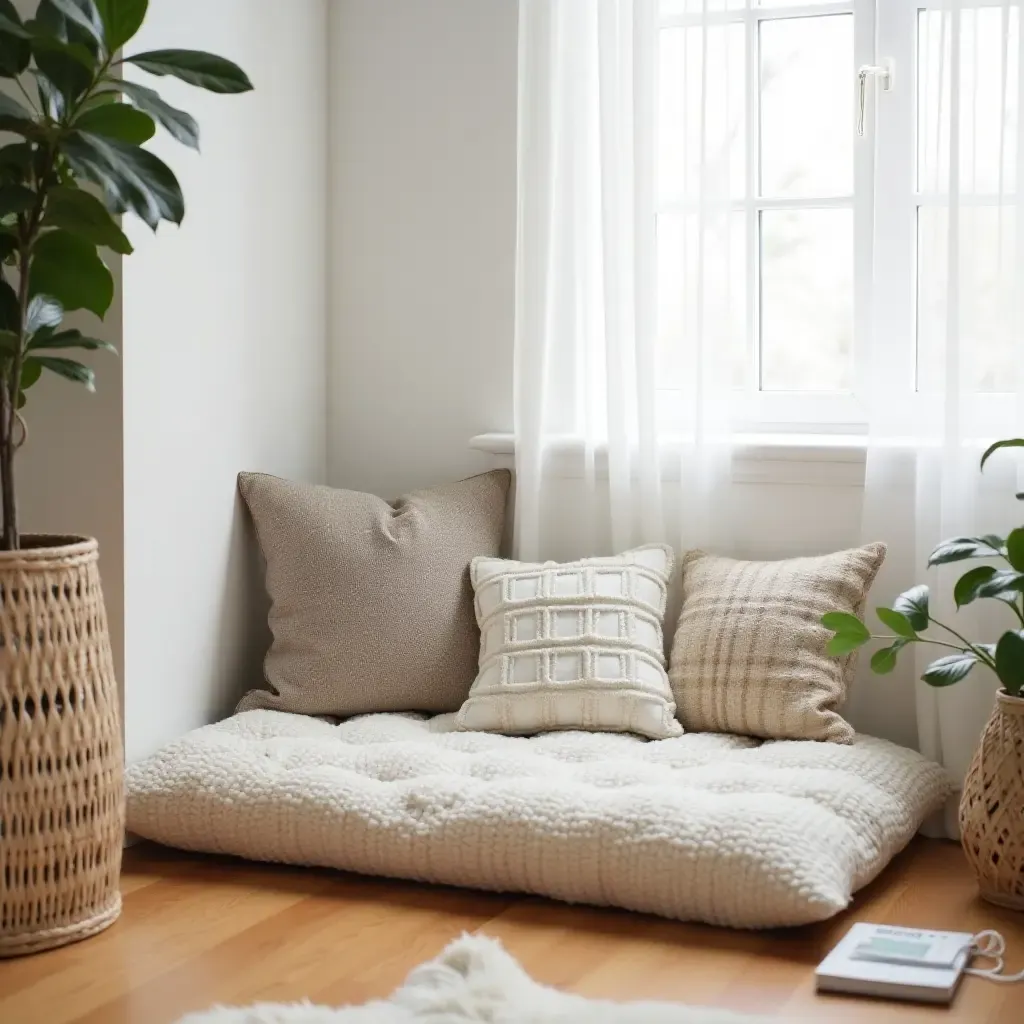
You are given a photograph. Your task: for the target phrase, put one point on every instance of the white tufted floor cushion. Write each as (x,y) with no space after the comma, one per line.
(705,827)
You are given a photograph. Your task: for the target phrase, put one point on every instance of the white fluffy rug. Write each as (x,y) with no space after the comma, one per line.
(474,981)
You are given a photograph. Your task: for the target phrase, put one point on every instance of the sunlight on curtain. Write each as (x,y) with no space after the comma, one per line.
(602,323)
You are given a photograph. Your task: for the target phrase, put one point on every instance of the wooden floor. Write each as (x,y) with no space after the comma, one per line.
(201,930)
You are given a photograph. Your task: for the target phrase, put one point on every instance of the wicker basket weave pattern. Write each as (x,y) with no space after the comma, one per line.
(992,806)
(61,760)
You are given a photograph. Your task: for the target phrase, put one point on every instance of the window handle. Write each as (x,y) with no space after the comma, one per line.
(884,74)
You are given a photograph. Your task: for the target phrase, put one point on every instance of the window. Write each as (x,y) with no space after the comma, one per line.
(795,238)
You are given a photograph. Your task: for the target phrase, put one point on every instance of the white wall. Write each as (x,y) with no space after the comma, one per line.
(423,168)
(224,332)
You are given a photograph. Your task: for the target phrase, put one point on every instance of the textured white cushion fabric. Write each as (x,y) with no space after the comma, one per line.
(572,645)
(704,826)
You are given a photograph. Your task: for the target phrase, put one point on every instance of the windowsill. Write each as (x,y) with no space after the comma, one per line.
(812,459)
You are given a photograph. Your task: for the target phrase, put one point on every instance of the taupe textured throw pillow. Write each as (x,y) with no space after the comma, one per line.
(372,608)
(749,652)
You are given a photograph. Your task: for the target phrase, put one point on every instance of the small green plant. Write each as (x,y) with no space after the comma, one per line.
(75,164)
(910,615)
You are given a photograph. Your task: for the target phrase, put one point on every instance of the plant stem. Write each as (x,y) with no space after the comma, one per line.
(919,640)
(977,651)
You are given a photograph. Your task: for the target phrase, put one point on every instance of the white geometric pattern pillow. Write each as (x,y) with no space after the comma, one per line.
(576,645)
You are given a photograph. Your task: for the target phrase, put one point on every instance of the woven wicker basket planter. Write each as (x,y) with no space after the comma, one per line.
(992,806)
(61,761)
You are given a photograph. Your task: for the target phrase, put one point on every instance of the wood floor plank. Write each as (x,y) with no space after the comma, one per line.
(202,930)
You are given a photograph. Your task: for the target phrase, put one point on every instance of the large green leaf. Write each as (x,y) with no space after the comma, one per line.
(966,589)
(884,661)
(30,374)
(949,670)
(14,117)
(118,121)
(205,70)
(43,311)
(15,199)
(959,548)
(180,125)
(1015,548)
(68,339)
(69,66)
(132,178)
(914,605)
(67,267)
(1001,583)
(897,622)
(121,19)
(15,48)
(83,214)
(844,622)
(70,369)
(1013,442)
(1010,661)
(82,13)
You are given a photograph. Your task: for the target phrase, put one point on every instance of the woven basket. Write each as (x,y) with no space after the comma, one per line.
(992,806)
(61,762)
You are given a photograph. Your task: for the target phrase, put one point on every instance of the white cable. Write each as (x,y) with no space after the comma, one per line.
(991,945)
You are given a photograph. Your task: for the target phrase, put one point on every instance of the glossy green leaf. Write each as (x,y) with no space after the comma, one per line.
(16,199)
(844,622)
(1013,442)
(884,661)
(70,369)
(132,178)
(205,70)
(118,121)
(959,548)
(15,48)
(914,605)
(82,13)
(69,339)
(43,311)
(844,643)
(180,125)
(1001,583)
(122,19)
(897,622)
(14,117)
(949,670)
(68,267)
(1010,661)
(50,97)
(966,589)
(30,374)
(69,66)
(83,214)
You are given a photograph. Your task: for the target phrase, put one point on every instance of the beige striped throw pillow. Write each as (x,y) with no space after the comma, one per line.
(749,652)
(572,645)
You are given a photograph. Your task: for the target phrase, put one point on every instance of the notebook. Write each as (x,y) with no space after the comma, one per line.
(896,963)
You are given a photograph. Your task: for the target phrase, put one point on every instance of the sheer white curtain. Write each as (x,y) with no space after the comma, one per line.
(923,482)
(620,378)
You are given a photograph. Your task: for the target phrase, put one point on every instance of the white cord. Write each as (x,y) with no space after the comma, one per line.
(991,945)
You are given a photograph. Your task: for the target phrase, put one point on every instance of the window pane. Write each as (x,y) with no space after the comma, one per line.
(674,8)
(987,106)
(807,300)
(682,150)
(807,106)
(986,298)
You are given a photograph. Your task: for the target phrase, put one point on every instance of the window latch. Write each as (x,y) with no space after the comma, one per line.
(884,74)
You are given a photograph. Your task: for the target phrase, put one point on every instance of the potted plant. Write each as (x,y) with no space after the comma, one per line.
(992,802)
(72,164)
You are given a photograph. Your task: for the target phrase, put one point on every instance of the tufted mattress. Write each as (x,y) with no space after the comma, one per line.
(704,827)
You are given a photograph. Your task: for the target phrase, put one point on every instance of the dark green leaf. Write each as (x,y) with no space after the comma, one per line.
(68,339)
(132,178)
(118,121)
(9,342)
(949,670)
(1010,661)
(82,13)
(50,97)
(8,246)
(884,661)
(83,214)
(13,116)
(1001,583)
(68,268)
(100,99)
(15,199)
(69,66)
(1013,442)
(205,70)
(966,589)
(43,311)
(30,373)
(1015,548)
(897,622)
(68,368)
(914,605)
(180,125)
(121,19)
(843,622)
(10,311)
(15,49)
(16,157)
(844,643)
(959,548)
